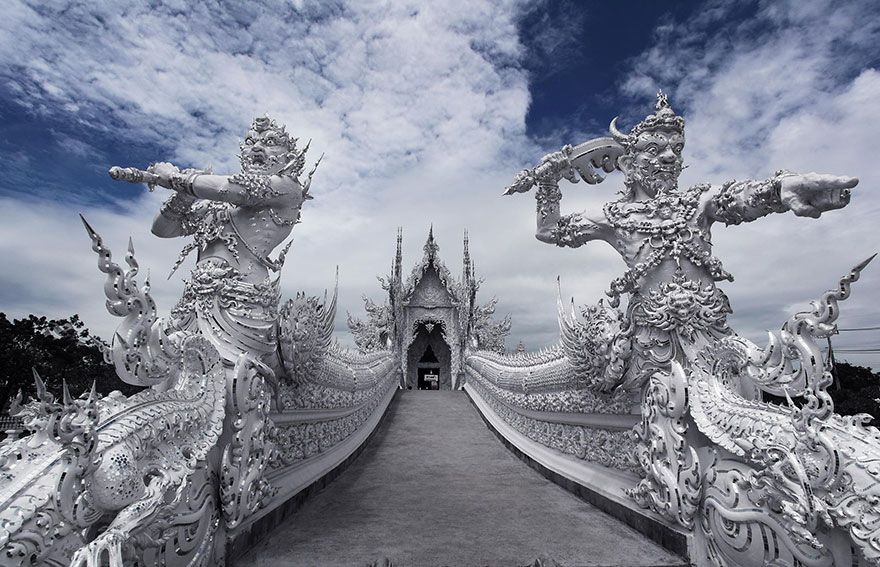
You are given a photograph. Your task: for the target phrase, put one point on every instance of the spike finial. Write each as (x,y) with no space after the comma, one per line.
(42,393)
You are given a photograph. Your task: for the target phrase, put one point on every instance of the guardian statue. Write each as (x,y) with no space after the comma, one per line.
(758,483)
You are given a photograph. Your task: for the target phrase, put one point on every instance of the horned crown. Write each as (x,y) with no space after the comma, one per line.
(663,117)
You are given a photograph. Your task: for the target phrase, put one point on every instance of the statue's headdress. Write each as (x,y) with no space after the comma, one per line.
(663,117)
(264,123)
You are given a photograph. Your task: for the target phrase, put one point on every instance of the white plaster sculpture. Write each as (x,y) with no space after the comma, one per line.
(767,484)
(168,475)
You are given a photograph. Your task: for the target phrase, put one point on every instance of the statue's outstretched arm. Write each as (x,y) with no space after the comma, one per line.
(806,195)
(177,217)
(242,189)
(587,160)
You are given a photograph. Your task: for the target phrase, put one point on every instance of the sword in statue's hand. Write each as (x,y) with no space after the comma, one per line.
(586,159)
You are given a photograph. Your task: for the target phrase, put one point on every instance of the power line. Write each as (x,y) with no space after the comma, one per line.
(860,329)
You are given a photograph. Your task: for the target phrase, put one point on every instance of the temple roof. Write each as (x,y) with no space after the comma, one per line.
(431,258)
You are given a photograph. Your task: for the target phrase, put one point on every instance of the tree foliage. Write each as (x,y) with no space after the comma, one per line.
(855,390)
(858,391)
(58,349)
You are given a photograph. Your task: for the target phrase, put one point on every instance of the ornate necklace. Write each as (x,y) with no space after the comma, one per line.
(279,220)
(206,225)
(664,214)
(668,223)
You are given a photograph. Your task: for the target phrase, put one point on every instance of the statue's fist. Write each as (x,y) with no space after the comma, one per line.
(163,171)
(811,194)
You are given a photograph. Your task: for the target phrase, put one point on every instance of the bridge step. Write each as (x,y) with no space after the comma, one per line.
(435,487)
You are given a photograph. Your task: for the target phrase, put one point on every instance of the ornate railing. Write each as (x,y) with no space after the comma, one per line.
(194,469)
(792,485)
(537,396)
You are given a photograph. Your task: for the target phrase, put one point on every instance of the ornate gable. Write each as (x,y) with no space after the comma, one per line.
(430,283)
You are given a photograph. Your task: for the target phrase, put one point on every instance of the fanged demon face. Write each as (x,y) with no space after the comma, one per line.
(652,151)
(657,161)
(266,148)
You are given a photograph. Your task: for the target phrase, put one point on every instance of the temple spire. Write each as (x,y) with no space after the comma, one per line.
(398,258)
(430,247)
(466,272)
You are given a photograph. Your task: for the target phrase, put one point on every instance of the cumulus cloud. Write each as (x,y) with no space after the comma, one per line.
(420,111)
(413,106)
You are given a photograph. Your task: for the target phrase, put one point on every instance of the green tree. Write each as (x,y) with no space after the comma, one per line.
(58,349)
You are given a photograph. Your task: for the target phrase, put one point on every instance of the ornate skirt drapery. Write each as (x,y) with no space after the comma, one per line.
(673,323)
(236,315)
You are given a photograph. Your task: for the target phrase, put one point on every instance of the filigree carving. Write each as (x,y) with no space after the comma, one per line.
(306,329)
(672,484)
(804,470)
(216,284)
(563,401)
(243,490)
(376,333)
(141,463)
(602,446)
(684,307)
(300,441)
(145,349)
(597,347)
(776,467)
(488,334)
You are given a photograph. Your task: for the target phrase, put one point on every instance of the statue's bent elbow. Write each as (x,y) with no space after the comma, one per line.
(545,235)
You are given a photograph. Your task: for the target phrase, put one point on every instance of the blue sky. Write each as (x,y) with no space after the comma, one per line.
(425,111)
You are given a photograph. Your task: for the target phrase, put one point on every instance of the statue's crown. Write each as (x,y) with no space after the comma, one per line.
(264,123)
(663,117)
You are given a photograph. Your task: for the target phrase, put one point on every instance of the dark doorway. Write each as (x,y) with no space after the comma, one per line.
(429,359)
(429,371)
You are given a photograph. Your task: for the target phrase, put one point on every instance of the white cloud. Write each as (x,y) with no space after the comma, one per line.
(420,110)
(411,103)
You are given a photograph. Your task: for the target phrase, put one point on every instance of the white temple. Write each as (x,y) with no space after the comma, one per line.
(430,320)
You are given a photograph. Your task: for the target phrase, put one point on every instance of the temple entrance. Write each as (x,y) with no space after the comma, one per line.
(429,359)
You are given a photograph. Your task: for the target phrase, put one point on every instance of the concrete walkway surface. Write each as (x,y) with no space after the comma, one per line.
(435,487)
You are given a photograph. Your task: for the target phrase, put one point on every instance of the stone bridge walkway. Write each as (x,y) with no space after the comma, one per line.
(436,487)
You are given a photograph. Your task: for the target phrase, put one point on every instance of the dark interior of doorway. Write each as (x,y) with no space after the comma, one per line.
(429,378)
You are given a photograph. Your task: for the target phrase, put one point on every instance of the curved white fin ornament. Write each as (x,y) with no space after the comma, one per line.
(596,347)
(305,334)
(771,368)
(144,349)
(243,490)
(673,483)
(795,472)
